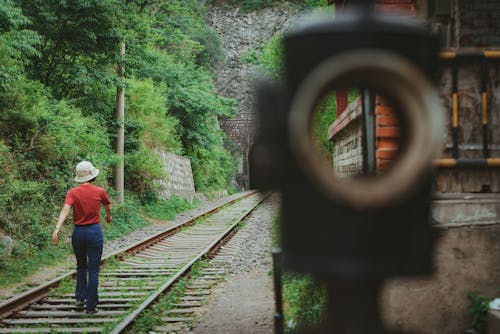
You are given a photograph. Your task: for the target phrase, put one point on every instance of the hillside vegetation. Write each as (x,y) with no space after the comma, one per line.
(59,64)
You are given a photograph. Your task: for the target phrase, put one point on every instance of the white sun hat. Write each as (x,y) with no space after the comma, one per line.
(85,171)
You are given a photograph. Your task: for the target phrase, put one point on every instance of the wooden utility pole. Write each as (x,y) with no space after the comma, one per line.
(120,120)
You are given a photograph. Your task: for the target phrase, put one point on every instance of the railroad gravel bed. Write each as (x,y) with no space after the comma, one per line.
(159,226)
(244,303)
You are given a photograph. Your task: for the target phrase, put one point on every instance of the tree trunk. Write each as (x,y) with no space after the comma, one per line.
(120,120)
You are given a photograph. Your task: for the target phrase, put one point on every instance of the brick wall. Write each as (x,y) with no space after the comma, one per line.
(386,135)
(179,180)
(404,7)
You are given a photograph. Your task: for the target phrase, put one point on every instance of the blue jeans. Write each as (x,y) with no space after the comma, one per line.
(87,245)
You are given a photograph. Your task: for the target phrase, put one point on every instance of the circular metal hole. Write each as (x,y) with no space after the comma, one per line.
(419,110)
(348,141)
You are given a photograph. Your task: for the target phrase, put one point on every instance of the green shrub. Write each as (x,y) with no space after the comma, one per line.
(273,57)
(57,99)
(149,128)
(304,299)
(304,302)
(127,217)
(478,309)
(323,117)
(146,109)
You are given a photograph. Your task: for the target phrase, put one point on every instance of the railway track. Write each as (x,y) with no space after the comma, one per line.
(131,280)
(180,310)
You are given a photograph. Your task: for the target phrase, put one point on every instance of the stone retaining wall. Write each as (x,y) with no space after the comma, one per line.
(179,180)
(346,134)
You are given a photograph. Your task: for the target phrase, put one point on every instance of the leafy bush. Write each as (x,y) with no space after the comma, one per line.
(250,5)
(58,78)
(144,167)
(43,142)
(273,57)
(478,309)
(325,114)
(149,128)
(304,298)
(127,217)
(146,108)
(304,302)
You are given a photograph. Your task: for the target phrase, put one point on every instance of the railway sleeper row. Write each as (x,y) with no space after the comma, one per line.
(181,317)
(126,285)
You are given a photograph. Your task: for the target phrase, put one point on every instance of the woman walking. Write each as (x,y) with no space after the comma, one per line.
(87,241)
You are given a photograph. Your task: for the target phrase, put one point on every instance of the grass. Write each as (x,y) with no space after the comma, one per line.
(304,298)
(167,210)
(152,316)
(25,260)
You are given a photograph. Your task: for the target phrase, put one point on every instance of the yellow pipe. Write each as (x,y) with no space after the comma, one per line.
(484,102)
(491,54)
(447,54)
(493,162)
(450,162)
(452,54)
(455,110)
(446,163)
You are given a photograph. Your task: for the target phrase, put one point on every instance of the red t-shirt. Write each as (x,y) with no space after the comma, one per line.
(86,201)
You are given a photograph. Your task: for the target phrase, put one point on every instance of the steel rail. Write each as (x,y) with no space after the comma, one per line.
(182,272)
(33,295)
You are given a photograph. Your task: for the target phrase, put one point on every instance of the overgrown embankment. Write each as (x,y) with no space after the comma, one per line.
(58,81)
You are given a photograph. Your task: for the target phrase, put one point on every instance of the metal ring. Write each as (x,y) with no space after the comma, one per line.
(419,105)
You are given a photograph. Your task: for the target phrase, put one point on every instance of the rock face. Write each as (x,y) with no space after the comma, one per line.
(241,34)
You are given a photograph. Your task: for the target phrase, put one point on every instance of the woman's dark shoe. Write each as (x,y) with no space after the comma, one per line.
(94,311)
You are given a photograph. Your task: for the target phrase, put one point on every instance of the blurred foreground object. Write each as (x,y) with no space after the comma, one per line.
(352,232)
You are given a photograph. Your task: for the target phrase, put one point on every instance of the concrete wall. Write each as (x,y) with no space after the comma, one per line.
(465,212)
(466,258)
(179,180)
(478,22)
(469,126)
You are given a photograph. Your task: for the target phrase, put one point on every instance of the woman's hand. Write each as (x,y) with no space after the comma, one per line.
(107,208)
(62,217)
(55,236)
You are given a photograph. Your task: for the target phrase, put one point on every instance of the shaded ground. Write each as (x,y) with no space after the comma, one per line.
(244,304)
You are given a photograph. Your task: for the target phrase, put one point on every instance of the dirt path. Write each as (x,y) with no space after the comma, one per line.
(244,303)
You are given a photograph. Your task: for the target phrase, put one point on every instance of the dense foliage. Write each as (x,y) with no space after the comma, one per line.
(59,62)
(249,5)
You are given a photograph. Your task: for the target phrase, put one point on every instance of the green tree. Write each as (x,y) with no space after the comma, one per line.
(80,40)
